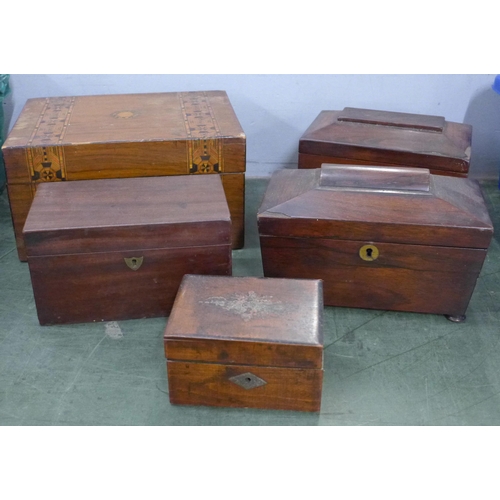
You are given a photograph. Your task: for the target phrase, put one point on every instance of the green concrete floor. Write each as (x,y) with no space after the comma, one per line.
(381,368)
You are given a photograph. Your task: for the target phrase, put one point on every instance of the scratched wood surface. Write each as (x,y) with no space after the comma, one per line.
(381,368)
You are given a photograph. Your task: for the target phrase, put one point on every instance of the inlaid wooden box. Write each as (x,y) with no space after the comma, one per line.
(246,342)
(115,249)
(381,238)
(130,135)
(369,137)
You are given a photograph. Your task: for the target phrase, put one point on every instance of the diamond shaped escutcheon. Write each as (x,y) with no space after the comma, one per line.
(248,380)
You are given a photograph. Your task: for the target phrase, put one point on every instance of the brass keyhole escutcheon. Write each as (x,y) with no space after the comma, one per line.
(368,252)
(134,262)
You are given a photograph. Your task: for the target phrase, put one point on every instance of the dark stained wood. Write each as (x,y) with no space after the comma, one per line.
(234,188)
(315,161)
(80,234)
(391,119)
(130,135)
(388,178)
(252,309)
(101,287)
(141,213)
(452,213)
(247,352)
(20,198)
(224,326)
(431,244)
(361,136)
(416,278)
(208,384)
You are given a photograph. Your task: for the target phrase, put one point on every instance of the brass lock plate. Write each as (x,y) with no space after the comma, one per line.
(134,262)
(369,252)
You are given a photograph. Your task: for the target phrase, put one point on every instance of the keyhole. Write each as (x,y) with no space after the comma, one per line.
(249,379)
(369,252)
(134,262)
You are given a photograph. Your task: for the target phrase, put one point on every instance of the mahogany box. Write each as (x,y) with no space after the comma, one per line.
(246,342)
(115,249)
(129,135)
(369,137)
(381,238)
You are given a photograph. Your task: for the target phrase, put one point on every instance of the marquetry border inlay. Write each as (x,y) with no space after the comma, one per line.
(44,153)
(204,144)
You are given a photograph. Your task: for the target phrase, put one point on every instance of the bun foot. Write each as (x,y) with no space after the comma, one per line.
(455,319)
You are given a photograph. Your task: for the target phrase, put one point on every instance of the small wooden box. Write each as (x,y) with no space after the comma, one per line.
(369,137)
(115,249)
(246,342)
(130,135)
(380,238)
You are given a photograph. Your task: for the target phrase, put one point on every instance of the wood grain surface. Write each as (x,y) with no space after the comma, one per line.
(387,138)
(379,178)
(416,278)
(221,327)
(101,287)
(234,188)
(21,196)
(277,311)
(20,199)
(452,213)
(247,352)
(126,214)
(120,136)
(316,161)
(430,244)
(78,235)
(208,384)
(390,119)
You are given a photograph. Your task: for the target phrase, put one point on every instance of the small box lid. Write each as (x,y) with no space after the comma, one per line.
(247,320)
(396,205)
(404,139)
(127,214)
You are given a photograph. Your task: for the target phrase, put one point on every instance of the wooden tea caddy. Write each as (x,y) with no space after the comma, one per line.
(115,249)
(380,237)
(246,342)
(358,136)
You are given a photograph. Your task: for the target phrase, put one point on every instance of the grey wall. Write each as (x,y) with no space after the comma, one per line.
(274,110)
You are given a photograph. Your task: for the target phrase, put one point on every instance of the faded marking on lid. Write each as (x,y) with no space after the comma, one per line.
(248,305)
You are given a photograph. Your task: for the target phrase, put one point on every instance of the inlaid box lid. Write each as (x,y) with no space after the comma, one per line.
(247,320)
(398,205)
(119,135)
(127,214)
(392,138)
